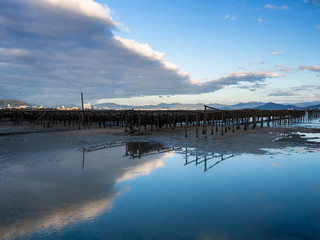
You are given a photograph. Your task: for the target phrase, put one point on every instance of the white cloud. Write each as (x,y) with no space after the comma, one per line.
(238,77)
(260,20)
(89,8)
(147,51)
(275,53)
(314,3)
(143,49)
(14,52)
(229,17)
(307,88)
(284,69)
(270,6)
(318,27)
(256,62)
(314,68)
(286,93)
(64,47)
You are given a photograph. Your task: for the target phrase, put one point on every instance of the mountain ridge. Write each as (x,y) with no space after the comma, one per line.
(170,106)
(12,103)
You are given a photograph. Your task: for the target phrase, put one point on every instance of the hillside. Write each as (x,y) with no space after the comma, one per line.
(170,106)
(13,103)
(276,106)
(313,107)
(248,105)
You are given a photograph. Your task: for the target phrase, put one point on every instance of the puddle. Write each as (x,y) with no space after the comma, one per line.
(311,137)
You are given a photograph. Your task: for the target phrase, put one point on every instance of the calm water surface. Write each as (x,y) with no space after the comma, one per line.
(145,191)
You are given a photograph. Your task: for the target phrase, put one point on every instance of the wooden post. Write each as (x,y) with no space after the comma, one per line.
(139,121)
(197,126)
(212,126)
(167,120)
(152,121)
(82,115)
(82,101)
(126,123)
(205,122)
(186,123)
(217,123)
(233,123)
(186,156)
(174,121)
(222,117)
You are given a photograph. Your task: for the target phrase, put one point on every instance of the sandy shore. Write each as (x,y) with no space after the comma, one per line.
(256,141)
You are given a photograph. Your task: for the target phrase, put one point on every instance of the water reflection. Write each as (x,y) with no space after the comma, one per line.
(143,149)
(48,196)
(133,149)
(55,193)
(209,160)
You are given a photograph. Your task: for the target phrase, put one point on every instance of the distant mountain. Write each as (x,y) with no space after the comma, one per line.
(13,103)
(306,104)
(171,106)
(198,106)
(158,106)
(184,106)
(313,107)
(217,105)
(248,105)
(276,106)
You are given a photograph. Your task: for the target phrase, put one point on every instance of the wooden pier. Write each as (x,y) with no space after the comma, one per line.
(207,121)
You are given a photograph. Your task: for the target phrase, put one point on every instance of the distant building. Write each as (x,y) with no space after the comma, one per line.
(87,106)
(23,107)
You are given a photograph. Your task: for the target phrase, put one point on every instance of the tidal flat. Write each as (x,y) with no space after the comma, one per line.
(106,184)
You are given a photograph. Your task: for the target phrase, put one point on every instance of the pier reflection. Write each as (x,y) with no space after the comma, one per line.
(209,160)
(140,149)
(135,150)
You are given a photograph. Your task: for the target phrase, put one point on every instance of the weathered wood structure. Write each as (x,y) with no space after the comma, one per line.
(207,121)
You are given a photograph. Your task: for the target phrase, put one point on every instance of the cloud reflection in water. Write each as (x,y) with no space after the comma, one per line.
(50,195)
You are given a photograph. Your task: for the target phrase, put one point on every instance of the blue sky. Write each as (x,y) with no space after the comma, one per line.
(142,52)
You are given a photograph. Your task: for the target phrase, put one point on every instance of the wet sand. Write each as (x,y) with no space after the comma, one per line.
(251,141)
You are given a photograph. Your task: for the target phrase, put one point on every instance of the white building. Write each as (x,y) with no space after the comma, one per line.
(87,105)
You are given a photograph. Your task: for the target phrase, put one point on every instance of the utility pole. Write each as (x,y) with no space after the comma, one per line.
(82,101)
(82,115)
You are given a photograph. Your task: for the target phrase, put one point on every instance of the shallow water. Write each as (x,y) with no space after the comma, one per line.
(312,123)
(146,191)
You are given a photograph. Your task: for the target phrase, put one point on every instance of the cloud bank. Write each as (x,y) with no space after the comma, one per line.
(51,50)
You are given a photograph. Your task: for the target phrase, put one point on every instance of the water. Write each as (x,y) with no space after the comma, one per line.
(312,123)
(144,190)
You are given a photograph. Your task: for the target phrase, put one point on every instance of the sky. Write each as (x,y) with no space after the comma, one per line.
(149,52)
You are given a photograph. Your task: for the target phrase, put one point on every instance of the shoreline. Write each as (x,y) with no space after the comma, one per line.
(251,141)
